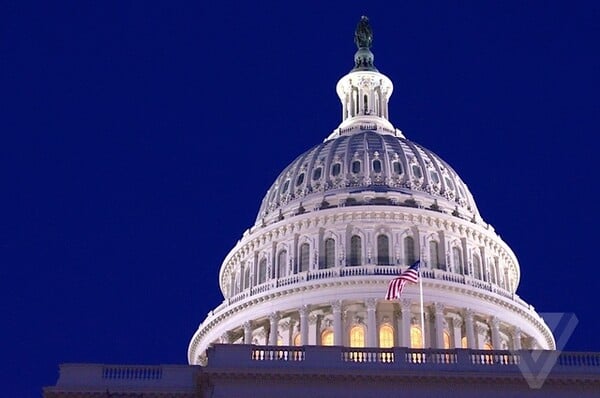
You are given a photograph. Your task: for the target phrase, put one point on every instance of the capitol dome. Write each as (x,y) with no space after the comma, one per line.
(349,215)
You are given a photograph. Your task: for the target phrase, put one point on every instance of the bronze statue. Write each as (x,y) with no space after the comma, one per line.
(363,37)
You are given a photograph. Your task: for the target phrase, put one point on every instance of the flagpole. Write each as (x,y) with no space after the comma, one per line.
(421,294)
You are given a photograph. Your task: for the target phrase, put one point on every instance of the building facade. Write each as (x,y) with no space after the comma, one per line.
(304,308)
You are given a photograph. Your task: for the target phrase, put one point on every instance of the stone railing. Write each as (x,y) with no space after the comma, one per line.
(369,270)
(399,357)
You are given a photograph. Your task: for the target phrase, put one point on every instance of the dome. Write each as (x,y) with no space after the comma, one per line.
(394,170)
(348,216)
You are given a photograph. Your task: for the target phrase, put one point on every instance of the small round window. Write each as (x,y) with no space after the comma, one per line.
(300,179)
(377,166)
(317,173)
(336,169)
(356,167)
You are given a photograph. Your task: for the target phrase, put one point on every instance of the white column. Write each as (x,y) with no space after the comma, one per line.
(371,322)
(495,331)
(273,328)
(457,324)
(516,339)
(470,329)
(304,310)
(336,309)
(439,325)
(398,339)
(406,318)
(248,332)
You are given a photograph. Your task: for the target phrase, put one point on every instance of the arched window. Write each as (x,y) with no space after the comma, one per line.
(237,282)
(262,271)
(356,166)
(476,267)
(386,336)
(383,250)
(300,179)
(246,277)
(493,270)
(409,250)
(357,336)
(329,253)
(355,250)
(304,257)
(463,342)
(487,346)
(298,340)
(317,173)
(327,337)
(397,167)
(336,169)
(417,171)
(279,341)
(457,260)
(232,287)
(446,340)
(416,337)
(377,166)
(434,261)
(281,263)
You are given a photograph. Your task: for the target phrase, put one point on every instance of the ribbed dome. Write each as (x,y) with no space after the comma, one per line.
(369,161)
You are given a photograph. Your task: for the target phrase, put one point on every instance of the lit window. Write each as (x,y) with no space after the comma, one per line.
(386,336)
(488,346)
(336,169)
(446,340)
(317,173)
(327,337)
(377,166)
(298,340)
(463,342)
(356,167)
(279,341)
(416,337)
(357,337)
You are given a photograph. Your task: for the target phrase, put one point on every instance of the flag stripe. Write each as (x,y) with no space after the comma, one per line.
(397,284)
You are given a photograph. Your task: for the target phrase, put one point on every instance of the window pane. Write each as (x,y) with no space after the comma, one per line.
(304,257)
(357,337)
(383,250)
(417,171)
(335,170)
(329,253)
(355,250)
(356,167)
(377,166)
(317,173)
(416,337)
(386,336)
(300,179)
(397,167)
(409,250)
(327,338)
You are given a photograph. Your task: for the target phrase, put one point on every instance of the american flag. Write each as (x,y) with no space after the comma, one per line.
(397,284)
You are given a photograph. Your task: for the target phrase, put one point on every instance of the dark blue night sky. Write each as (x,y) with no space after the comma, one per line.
(138,139)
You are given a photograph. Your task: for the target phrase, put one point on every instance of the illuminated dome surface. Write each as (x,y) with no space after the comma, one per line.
(368,160)
(345,218)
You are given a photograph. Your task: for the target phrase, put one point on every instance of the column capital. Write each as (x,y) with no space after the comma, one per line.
(304,310)
(336,306)
(248,325)
(371,304)
(495,322)
(468,314)
(274,316)
(516,331)
(438,308)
